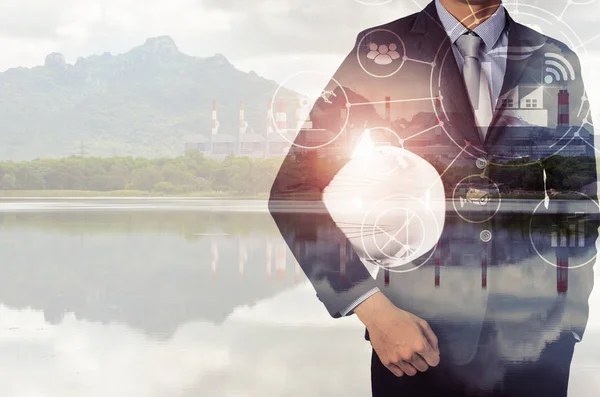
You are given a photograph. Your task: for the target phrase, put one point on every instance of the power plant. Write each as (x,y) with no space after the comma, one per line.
(275,141)
(524,110)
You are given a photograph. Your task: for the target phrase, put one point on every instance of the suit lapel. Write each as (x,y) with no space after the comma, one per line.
(434,44)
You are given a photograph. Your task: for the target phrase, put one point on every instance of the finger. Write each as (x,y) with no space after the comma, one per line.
(407,368)
(430,355)
(430,335)
(395,370)
(419,363)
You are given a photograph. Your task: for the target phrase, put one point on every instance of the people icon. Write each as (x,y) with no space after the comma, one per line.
(383,54)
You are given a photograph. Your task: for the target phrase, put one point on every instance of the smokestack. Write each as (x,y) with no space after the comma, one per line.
(215,122)
(243,124)
(439,110)
(270,118)
(299,121)
(281,117)
(563,108)
(388,110)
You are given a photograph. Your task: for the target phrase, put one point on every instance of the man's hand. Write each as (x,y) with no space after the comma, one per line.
(404,342)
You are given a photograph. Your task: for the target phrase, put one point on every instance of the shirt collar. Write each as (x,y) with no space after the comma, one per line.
(489,31)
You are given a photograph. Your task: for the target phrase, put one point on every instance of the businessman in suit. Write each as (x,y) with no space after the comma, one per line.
(469,82)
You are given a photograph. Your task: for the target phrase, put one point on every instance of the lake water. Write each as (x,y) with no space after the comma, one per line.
(177,297)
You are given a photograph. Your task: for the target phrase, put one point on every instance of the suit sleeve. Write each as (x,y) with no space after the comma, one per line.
(580,174)
(296,201)
(584,119)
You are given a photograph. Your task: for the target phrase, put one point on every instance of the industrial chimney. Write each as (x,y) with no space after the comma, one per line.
(563,108)
(388,111)
(281,117)
(269,118)
(299,120)
(243,124)
(215,122)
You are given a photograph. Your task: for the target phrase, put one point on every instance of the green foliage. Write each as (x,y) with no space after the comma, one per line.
(564,174)
(189,173)
(193,172)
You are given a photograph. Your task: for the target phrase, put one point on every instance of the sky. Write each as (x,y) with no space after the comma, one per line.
(275,38)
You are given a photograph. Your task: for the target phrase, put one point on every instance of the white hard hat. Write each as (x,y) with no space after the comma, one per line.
(389,202)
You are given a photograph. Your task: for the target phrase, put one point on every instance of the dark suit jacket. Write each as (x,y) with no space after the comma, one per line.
(516,150)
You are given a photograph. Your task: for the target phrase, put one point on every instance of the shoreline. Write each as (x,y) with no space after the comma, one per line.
(122,194)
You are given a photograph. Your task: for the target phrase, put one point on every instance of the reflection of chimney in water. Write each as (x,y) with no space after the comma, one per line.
(343,257)
(298,272)
(297,248)
(562,270)
(484,267)
(269,256)
(214,257)
(437,262)
(243,255)
(281,259)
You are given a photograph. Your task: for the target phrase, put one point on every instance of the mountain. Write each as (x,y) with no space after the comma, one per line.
(142,103)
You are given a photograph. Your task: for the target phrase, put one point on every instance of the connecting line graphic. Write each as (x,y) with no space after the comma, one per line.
(590,145)
(393,237)
(572,3)
(432,64)
(587,42)
(473,15)
(472,10)
(464,149)
(435,20)
(391,101)
(561,138)
(422,132)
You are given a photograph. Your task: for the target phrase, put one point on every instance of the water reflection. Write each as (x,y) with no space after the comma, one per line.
(508,308)
(187,302)
(153,271)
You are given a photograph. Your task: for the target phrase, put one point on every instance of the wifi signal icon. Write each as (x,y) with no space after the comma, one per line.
(558,69)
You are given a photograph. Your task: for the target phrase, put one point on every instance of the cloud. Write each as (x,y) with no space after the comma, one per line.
(78,358)
(276,38)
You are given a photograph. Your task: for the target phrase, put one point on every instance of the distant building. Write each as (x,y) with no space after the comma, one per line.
(523,111)
(277,145)
(219,145)
(252,145)
(199,143)
(222,145)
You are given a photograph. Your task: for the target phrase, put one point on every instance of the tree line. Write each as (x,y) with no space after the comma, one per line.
(192,172)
